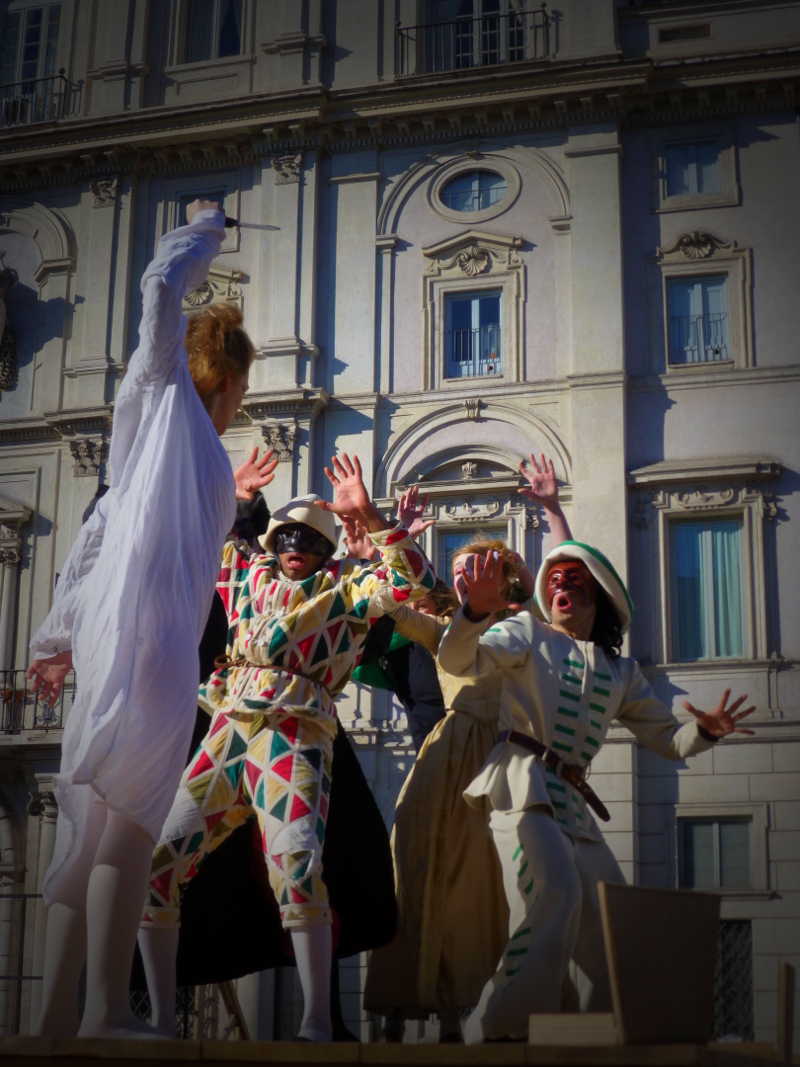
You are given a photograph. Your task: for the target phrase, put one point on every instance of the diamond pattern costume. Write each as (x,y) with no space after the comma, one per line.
(293,646)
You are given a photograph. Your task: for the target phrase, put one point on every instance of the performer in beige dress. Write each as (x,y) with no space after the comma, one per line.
(452,911)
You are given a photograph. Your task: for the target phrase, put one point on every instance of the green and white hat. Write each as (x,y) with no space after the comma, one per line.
(600,567)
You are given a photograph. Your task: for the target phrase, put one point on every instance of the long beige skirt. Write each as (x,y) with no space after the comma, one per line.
(452,910)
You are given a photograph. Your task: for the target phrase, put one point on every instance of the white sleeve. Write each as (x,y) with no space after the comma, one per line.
(471,648)
(180,265)
(55,633)
(653,724)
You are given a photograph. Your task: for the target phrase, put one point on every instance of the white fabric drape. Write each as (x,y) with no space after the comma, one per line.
(136,589)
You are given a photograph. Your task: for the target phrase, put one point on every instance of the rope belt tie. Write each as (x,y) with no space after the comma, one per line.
(568,772)
(224,663)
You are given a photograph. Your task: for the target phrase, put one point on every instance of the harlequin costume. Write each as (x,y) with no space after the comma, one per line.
(292,648)
(563,693)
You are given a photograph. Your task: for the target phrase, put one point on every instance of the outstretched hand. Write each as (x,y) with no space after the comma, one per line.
(410,511)
(350,496)
(543,485)
(359,545)
(481,589)
(47,676)
(254,474)
(721,721)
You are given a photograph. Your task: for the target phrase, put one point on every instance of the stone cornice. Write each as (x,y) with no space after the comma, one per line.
(668,472)
(80,420)
(307,403)
(489,102)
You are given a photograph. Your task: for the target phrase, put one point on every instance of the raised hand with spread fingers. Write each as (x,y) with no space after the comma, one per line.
(254,474)
(544,490)
(410,511)
(722,721)
(359,546)
(350,496)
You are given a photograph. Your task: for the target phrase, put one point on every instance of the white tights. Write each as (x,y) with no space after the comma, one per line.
(313,955)
(94,917)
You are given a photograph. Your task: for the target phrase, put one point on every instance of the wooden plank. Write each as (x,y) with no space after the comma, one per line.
(593,1028)
(661,947)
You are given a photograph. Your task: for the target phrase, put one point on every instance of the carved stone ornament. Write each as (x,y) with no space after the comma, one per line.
(472,146)
(530,520)
(10,555)
(287,168)
(702,498)
(467,512)
(281,437)
(472,407)
(470,469)
(89,454)
(220,287)
(43,805)
(697,244)
(104,192)
(473,260)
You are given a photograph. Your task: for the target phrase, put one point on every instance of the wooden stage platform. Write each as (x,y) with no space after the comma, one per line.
(47,1052)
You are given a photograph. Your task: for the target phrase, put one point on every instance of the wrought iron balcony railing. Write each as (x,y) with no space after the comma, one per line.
(473,41)
(21,709)
(698,338)
(34,100)
(473,353)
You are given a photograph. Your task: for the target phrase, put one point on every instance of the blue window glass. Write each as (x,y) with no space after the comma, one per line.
(697,312)
(472,335)
(474,191)
(692,168)
(706,594)
(714,853)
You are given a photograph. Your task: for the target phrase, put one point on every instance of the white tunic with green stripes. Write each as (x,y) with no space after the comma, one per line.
(565,694)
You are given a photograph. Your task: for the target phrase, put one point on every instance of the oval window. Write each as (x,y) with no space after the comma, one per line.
(474,191)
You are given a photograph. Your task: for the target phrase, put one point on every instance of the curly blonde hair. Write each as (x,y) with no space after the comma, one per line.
(217,346)
(511,588)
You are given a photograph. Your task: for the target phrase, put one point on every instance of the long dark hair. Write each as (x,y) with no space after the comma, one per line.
(607,629)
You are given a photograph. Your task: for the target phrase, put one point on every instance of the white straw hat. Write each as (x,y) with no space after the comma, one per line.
(301,509)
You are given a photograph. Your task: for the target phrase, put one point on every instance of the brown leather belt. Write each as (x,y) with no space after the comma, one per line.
(568,772)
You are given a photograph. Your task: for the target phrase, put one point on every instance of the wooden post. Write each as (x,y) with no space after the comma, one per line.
(786,1012)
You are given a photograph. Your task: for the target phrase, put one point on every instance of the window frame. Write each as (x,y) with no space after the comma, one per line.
(472,295)
(757,815)
(670,288)
(729,194)
(209,79)
(215,28)
(487,162)
(695,255)
(474,261)
(176,189)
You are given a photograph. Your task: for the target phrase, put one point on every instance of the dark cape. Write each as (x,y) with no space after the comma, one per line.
(230,923)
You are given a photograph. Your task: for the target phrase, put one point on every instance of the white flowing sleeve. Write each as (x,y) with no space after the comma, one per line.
(55,633)
(181,264)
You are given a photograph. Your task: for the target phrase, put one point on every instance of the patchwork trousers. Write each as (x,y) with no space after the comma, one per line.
(275,765)
(550,880)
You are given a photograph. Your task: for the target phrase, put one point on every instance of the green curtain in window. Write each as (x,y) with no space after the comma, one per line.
(727,592)
(706,590)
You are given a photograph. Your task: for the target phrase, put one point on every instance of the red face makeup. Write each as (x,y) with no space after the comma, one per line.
(570,585)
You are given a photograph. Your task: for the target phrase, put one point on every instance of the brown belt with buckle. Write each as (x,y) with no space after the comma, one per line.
(568,772)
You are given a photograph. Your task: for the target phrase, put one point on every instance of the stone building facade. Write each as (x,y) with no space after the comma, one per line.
(501,228)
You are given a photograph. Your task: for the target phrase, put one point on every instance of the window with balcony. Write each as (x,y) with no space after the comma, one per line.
(460,34)
(474,191)
(706,590)
(212,30)
(692,167)
(697,310)
(714,853)
(473,343)
(30,88)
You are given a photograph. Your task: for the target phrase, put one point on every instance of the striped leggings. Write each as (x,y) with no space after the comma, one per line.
(550,879)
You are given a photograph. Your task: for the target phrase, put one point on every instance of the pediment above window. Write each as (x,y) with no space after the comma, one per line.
(472,253)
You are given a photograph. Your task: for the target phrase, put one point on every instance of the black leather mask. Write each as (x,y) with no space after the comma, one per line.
(301,538)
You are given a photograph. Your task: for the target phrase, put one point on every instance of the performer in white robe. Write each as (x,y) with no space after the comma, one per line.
(128,612)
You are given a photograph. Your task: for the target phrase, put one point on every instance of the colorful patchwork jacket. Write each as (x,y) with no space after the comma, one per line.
(302,640)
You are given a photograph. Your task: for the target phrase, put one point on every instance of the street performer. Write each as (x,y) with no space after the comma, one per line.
(564,681)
